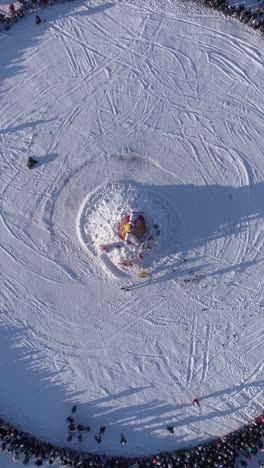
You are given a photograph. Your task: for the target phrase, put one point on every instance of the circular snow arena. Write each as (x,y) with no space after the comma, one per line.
(146,107)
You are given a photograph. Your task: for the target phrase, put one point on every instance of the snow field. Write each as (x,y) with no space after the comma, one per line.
(123,105)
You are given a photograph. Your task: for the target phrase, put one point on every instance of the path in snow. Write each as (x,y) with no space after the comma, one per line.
(124,103)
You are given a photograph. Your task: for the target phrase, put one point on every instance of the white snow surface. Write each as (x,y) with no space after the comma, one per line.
(156,105)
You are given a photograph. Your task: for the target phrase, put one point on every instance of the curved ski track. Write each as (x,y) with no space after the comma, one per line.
(173,100)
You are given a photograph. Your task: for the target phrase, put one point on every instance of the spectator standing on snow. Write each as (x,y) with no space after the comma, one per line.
(31,162)
(170,429)
(74,409)
(196,402)
(98,439)
(12,10)
(123,440)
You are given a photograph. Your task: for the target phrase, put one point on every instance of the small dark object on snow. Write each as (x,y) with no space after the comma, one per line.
(74,409)
(16,455)
(87,428)
(69,438)
(69,419)
(38,462)
(196,402)
(102,430)
(31,162)
(98,439)
(3,446)
(26,461)
(81,427)
(123,440)
(170,429)
(72,427)
(37,19)
(80,438)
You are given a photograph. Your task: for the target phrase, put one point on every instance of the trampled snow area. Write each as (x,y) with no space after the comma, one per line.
(157,106)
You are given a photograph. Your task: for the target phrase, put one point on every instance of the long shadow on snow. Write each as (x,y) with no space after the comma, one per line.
(35,400)
(26,34)
(90,10)
(206,214)
(32,397)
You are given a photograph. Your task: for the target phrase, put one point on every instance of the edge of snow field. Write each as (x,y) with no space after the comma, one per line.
(239,449)
(105,265)
(168,7)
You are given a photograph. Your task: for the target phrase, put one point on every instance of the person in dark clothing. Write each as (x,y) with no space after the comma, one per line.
(69,438)
(74,409)
(38,462)
(69,419)
(12,10)
(196,402)
(80,438)
(31,162)
(26,461)
(98,439)
(37,19)
(102,430)
(170,429)
(72,427)
(123,440)
(81,427)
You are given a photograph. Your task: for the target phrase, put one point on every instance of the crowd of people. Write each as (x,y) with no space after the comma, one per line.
(230,451)
(254,18)
(19,8)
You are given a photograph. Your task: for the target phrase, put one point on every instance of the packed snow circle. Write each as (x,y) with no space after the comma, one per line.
(153,107)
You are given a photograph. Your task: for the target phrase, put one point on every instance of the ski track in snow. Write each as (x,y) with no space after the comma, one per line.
(156,106)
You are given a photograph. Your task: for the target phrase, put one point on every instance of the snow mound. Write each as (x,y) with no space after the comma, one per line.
(101,211)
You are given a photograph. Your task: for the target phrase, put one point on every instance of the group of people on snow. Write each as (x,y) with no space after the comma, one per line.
(77,430)
(17,10)
(232,450)
(254,18)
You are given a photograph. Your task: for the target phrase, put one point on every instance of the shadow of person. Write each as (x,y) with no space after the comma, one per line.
(48,158)
(201,219)
(26,125)
(94,10)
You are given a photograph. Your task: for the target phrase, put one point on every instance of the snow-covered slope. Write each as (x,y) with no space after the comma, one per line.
(123,105)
